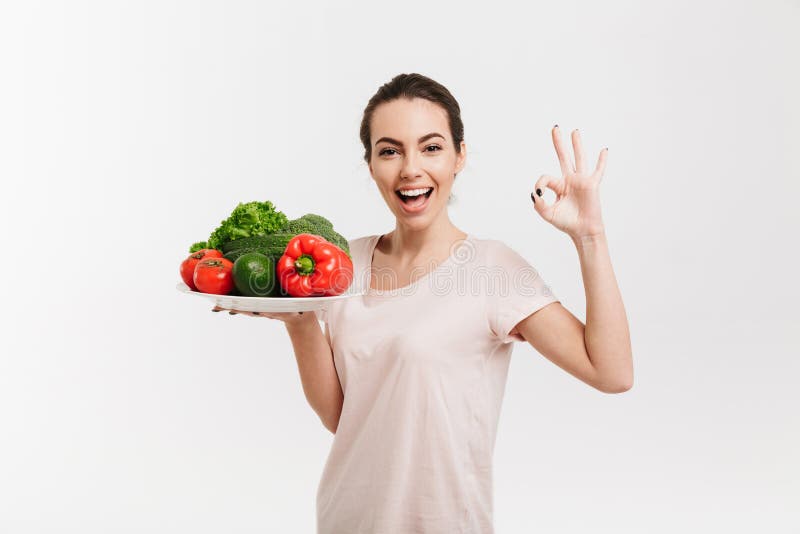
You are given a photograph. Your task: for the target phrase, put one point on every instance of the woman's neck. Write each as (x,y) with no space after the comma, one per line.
(407,245)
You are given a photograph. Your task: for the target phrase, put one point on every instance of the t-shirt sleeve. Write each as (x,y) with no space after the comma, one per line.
(517,291)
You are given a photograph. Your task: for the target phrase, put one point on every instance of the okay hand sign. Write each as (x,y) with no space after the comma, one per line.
(576,209)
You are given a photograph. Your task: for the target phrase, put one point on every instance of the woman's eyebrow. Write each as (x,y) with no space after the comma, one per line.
(420,140)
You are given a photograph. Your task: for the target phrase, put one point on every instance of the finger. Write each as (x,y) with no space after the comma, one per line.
(217,309)
(243,312)
(601,164)
(264,314)
(578,148)
(563,157)
(545,181)
(539,203)
(279,316)
(231,311)
(282,316)
(270,315)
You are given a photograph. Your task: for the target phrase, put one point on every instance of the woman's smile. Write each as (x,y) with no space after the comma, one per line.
(415,202)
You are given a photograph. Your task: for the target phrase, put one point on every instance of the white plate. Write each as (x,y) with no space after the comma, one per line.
(270,304)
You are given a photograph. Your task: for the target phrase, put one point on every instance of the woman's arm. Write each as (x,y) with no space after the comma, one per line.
(598,352)
(607,336)
(317,369)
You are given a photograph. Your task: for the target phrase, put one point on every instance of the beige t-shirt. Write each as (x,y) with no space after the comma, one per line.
(423,370)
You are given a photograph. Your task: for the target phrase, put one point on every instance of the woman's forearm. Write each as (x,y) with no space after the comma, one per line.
(607,335)
(317,370)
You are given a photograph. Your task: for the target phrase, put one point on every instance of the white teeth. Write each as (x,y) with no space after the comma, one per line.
(415,192)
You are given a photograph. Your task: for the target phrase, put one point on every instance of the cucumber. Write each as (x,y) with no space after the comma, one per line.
(236,254)
(270,245)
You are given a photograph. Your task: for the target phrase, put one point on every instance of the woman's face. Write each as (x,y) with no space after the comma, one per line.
(412,148)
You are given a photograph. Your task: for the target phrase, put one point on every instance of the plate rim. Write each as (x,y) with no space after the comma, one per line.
(183,288)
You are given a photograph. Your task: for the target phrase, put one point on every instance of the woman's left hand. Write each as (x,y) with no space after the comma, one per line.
(576,209)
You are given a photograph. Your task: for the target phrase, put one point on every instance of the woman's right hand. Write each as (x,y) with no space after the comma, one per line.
(286,317)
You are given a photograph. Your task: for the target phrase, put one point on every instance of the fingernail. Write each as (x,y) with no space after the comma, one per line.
(533,198)
(232,312)
(214,310)
(556,126)
(301,313)
(539,192)
(256,313)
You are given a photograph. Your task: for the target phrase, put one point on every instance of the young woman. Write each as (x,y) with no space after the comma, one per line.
(410,377)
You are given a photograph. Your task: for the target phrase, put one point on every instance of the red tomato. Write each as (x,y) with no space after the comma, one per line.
(214,275)
(188,265)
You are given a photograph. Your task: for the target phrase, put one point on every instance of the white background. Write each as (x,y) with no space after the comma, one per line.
(128,130)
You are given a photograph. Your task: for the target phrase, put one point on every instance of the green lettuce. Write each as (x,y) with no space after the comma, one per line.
(200,245)
(248,220)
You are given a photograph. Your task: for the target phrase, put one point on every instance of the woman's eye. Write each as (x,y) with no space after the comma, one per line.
(391,151)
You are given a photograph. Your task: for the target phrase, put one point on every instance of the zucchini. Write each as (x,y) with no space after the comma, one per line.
(270,244)
(234,255)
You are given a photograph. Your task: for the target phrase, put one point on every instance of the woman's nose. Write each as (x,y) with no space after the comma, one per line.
(411,165)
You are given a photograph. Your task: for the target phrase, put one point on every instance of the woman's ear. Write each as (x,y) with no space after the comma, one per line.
(461,158)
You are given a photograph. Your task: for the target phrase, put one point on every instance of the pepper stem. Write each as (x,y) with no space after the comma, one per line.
(304,265)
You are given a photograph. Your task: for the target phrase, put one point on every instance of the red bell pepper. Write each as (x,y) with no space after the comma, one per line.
(311,266)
